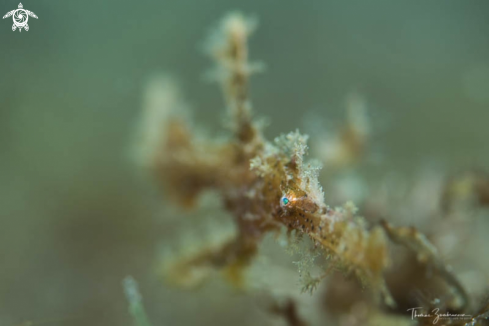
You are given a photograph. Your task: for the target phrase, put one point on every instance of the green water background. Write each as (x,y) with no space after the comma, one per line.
(76,216)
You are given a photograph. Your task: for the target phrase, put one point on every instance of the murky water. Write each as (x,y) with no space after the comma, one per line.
(76,214)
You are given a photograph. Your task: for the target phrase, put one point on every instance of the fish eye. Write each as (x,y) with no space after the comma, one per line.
(285,201)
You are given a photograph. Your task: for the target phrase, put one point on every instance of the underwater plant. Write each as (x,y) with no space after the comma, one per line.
(269,187)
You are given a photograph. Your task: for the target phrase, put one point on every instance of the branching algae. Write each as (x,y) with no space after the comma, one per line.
(269,187)
(266,185)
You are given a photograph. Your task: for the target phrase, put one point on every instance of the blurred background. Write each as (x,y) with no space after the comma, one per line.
(77,214)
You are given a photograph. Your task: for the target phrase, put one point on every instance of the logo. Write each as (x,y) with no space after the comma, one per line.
(20,17)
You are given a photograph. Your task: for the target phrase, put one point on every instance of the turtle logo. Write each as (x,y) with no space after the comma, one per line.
(20,17)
